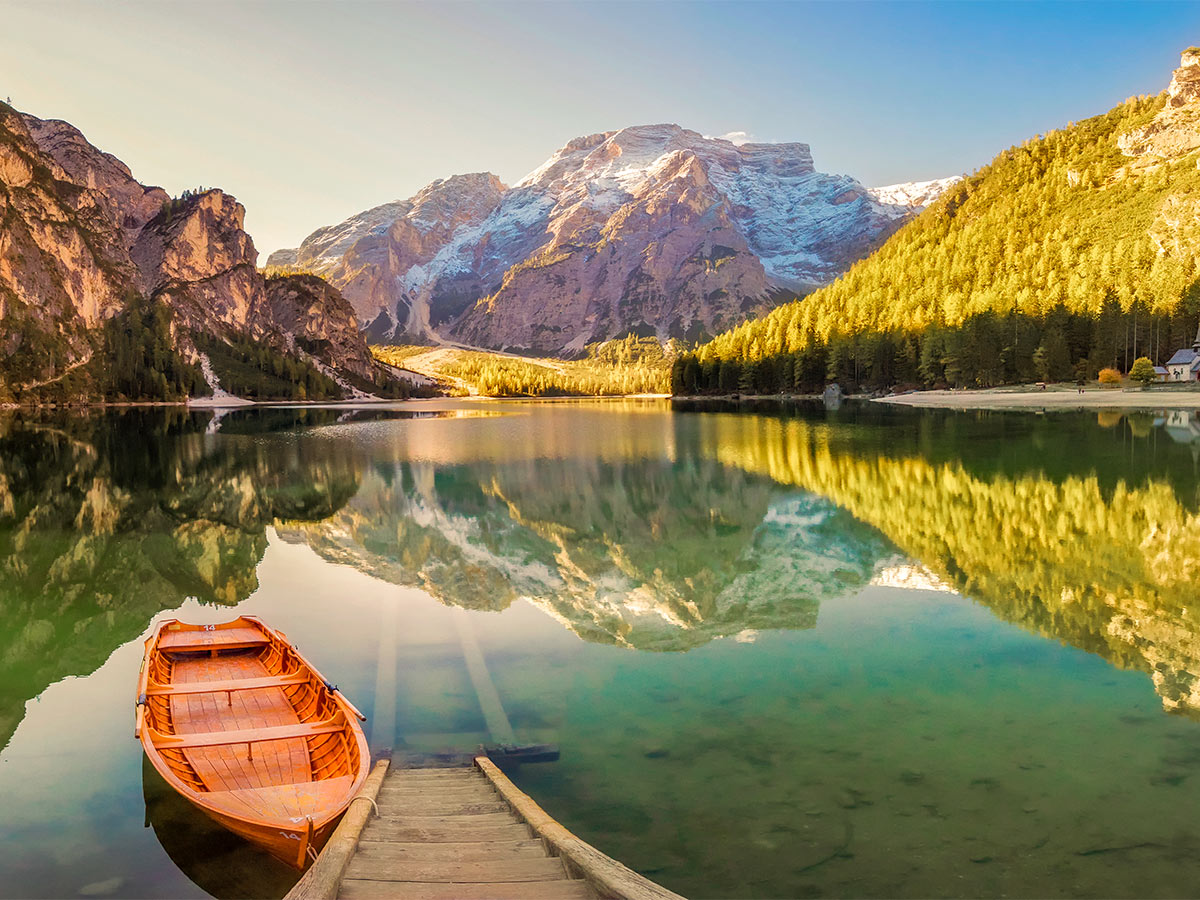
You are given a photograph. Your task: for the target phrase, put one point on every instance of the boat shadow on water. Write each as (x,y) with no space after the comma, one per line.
(216,860)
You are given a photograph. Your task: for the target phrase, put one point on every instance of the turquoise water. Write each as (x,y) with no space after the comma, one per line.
(783,652)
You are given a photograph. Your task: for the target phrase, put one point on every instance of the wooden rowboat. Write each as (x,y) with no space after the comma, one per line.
(244,727)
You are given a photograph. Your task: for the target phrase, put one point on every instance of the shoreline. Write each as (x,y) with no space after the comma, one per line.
(233,403)
(998,399)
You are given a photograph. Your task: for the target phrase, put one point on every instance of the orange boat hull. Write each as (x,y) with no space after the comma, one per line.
(247,730)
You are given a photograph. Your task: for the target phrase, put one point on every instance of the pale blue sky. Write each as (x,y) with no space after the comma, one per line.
(308,112)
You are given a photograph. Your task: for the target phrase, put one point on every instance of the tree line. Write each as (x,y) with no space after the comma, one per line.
(258,371)
(629,365)
(139,358)
(1061,257)
(986,350)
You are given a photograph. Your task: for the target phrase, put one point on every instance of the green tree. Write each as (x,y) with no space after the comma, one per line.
(1052,357)
(1142,371)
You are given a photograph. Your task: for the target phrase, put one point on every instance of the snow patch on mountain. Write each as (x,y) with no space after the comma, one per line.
(326,246)
(910,196)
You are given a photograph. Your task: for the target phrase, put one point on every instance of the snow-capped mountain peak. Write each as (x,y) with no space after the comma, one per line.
(907,196)
(650,229)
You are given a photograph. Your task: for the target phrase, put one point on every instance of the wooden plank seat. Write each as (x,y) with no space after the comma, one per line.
(218,639)
(241,736)
(232,684)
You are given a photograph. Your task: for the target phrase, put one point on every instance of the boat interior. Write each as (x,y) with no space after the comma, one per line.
(233,708)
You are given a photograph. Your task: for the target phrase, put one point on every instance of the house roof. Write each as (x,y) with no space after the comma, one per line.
(1183,358)
(1160,370)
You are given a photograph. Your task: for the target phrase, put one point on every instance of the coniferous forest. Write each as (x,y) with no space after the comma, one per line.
(629,365)
(1062,257)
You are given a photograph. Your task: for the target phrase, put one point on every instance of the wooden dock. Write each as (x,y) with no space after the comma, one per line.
(461,833)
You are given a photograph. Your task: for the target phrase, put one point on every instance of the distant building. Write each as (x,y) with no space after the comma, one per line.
(1161,373)
(1185,364)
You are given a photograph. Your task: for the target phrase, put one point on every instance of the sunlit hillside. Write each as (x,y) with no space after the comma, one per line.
(628,366)
(1062,256)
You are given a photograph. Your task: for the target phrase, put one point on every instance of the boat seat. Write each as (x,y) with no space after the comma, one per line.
(242,736)
(233,684)
(218,639)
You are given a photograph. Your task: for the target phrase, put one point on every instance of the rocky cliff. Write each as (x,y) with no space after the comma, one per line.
(63,266)
(652,229)
(320,320)
(81,238)
(1175,131)
(196,256)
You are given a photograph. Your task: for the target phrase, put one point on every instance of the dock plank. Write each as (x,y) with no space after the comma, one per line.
(364,889)
(443,833)
(450,791)
(381,862)
(423,821)
(427,806)
(508,849)
(448,834)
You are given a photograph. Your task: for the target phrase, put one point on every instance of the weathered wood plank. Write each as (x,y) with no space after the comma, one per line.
(609,877)
(465,850)
(402,798)
(361,889)
(378,862)
(450,772)
(437,783)
(433,806)
(449,791)
(419,821)
(402,830)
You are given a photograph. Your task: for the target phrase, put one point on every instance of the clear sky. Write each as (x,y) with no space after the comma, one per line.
(308,112)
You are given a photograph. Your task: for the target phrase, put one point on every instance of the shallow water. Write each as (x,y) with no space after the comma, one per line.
(784,652)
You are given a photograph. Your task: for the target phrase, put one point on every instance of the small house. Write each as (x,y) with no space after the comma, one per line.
(1161,373)
(1184,365)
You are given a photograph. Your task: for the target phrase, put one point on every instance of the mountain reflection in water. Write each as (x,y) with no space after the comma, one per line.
(661,533)
(652,554)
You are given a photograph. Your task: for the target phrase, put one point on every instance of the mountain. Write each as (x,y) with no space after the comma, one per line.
(1079,249)
(653,230)
(109,287)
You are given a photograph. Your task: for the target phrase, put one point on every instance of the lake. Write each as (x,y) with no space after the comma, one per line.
(784,651)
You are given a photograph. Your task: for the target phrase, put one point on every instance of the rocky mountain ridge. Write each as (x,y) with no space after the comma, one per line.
(651,229)
(80,237)
(1175,131)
